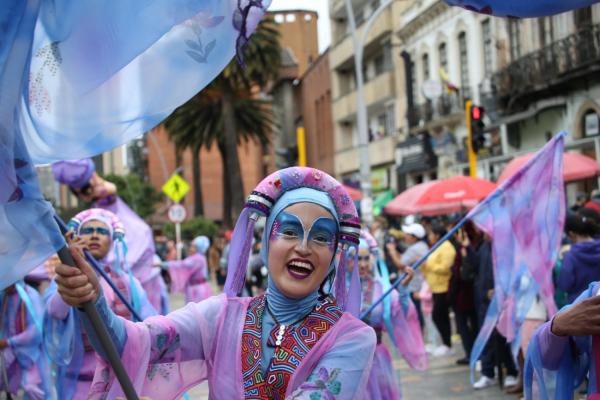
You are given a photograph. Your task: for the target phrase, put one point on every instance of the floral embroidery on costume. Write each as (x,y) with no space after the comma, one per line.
(297,342)
(323,385)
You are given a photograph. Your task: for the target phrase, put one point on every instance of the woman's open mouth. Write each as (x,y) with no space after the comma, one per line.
(93,246)
(300,269)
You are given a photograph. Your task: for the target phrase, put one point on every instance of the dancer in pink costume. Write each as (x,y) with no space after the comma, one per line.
(66,343)
(85,183)
(296,341)
(396,316)
(23,363)
(191,275)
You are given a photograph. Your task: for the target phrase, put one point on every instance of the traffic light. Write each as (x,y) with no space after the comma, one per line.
(477,128)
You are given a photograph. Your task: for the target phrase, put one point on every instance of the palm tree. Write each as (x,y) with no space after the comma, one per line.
(229,112)
(262,60)
(185,133)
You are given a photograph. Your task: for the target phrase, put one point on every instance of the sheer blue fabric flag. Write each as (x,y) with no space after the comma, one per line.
(524,217)
(81,77)
(520,8)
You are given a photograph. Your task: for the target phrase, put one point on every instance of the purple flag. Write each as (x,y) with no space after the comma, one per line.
(524,217)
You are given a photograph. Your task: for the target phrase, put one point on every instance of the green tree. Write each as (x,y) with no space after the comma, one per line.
(229,112)
(192,228)
(139,195)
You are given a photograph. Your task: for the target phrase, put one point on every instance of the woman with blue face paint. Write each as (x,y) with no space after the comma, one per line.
(190,275)
(102,234)
(301,340)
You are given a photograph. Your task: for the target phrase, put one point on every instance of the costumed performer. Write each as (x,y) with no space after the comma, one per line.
(23,364)
(294,342)
(101,232)
(565,351)
(83,181)
(190,275)
(396,315)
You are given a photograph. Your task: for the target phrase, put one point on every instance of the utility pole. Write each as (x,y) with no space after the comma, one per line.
(361,110)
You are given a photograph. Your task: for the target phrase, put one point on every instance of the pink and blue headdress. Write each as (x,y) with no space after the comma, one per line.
(263,202)
(117,255)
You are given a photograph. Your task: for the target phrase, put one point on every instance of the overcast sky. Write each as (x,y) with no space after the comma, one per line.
(320,6)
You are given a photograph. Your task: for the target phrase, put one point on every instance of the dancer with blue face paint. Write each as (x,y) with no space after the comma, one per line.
(300,340)
(69,348)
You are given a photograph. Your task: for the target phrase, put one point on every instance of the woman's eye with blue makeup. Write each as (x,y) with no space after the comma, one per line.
(290,233)
(322,238)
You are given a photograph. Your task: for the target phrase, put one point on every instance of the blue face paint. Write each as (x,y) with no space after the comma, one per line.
(322,233)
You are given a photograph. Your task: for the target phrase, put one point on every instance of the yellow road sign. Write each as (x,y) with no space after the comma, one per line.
(176,187)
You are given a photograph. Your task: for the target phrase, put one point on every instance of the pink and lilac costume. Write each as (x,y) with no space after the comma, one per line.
(140,241)
(247,348)
(23,364)
(191,274)
(397,316)
(557,365)
(66,343)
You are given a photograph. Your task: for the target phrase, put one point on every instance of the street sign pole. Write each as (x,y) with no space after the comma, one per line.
(178,240)
(177,215)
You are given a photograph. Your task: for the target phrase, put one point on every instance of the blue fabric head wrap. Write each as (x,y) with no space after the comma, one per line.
(202,244)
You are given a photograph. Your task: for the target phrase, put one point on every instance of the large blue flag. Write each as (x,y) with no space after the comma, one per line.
(78,78)
(521,8)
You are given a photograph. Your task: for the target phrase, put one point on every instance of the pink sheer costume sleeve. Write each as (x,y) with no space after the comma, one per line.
(339,365)
(166,355)
(407,334)
(552,346)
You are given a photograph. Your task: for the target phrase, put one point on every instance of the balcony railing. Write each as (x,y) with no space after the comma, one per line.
(551,65)
(444,106)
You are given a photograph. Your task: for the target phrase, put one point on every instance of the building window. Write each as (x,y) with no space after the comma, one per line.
(426,72)
(546,31)
(514,29)
(390,120)
(443,55)
(379,62)
(486,32)
(591,123)
(464,64)
(583,17)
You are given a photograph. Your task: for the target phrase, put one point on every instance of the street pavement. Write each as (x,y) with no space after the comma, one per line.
(443,380)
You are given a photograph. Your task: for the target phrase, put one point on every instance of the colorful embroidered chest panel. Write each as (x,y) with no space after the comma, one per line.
(297,342)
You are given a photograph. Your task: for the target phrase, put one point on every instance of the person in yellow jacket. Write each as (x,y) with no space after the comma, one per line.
(437,270)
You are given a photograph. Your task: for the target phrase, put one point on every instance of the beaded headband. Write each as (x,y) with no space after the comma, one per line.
(102,215)
(270,189)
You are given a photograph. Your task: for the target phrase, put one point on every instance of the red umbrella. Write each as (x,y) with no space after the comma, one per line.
(355,194)
(576,166)
(441,197)
(406,202)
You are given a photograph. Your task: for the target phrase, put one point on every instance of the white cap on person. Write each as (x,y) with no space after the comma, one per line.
(416,230)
